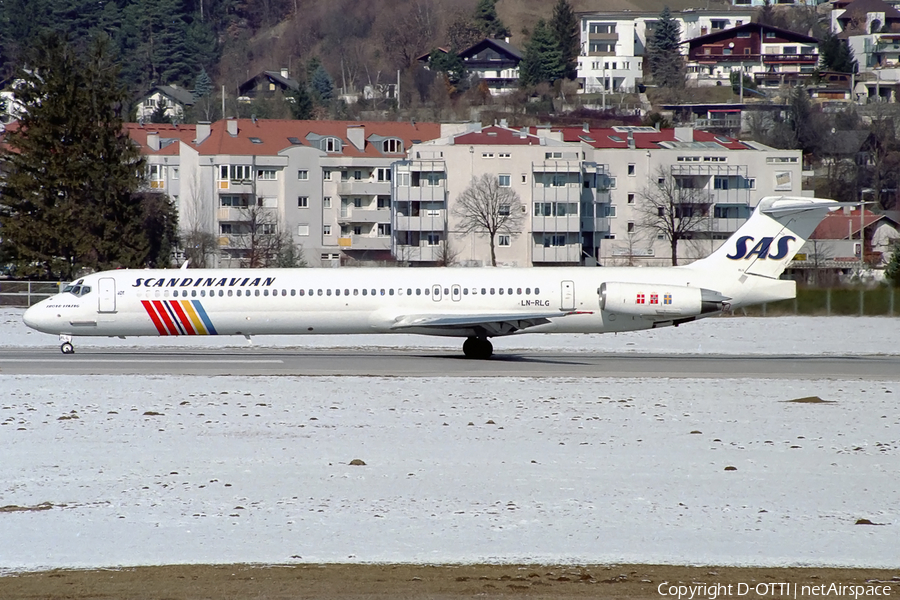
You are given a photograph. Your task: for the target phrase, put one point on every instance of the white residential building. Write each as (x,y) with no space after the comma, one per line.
(614,44)
(582,191)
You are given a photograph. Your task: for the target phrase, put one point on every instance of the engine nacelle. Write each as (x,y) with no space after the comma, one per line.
(659,301)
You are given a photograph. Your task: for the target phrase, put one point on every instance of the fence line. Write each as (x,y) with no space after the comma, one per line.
(26,293)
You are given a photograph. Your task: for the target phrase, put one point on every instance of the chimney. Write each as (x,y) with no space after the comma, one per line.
(585,128)
(284,72)
(153,140)
(684,134)
(203,131)
(231,125)
(631,140)
(504,123)
(357,136)
(523,133)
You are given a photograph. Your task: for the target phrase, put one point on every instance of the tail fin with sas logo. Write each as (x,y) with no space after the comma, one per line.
(770,238)
(747,266)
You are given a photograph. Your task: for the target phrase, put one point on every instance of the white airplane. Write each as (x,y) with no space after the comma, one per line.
(475,304)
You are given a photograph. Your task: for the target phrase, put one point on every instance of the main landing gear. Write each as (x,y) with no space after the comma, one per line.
(479,348)
(66,345)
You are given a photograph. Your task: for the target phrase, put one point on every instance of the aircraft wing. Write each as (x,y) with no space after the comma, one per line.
(494,324)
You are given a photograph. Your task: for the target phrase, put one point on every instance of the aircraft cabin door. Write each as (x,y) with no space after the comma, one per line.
(107,294)
(436,293)
(567,296)
(455,293)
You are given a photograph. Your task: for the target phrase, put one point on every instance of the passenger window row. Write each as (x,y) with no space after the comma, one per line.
(356,292)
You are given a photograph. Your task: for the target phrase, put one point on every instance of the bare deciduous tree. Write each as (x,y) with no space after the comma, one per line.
(672,208)
(197,239)
(262,241)
(487,208)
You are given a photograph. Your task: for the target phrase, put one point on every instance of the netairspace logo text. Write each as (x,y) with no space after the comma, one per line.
(790,590)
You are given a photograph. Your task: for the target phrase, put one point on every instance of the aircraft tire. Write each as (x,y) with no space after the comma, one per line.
(67,348)
(477,348)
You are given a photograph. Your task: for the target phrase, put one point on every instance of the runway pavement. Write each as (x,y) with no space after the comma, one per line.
(431,363)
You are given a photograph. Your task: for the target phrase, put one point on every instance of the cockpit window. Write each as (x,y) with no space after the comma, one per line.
(77,289)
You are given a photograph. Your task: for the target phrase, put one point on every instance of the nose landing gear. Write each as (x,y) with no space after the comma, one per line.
(479,348)
(66,346)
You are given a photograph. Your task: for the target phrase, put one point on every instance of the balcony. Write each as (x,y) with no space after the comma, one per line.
(418,253)
(570,253)
(363,215)
(363,187)
(365,242)
(571,223)
(595,224)
(425,222)
(435,193)
(569,193)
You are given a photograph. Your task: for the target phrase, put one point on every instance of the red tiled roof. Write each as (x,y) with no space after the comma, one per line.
(603,138)
(497,136)
(839,226)
(273,135)
(138,133)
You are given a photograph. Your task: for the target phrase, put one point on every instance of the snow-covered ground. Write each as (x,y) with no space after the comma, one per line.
(132,470)
(722,335)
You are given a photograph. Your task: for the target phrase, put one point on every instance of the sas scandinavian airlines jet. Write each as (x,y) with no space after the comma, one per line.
(475,304)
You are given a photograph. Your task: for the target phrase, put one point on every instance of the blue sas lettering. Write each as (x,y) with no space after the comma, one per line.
(761,248)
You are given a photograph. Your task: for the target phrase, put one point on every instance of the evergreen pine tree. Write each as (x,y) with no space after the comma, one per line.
(892,271)
(565,27)
(448,63)
(322,85)
(664,52)
(302,104)
(836,55)
(542,61)
(203,88)
(71,169)
(487,20)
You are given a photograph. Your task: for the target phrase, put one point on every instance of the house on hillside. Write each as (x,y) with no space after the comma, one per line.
(495,62)
(831,254)
(771,56)
(173,98)
(266,84)
(871,28)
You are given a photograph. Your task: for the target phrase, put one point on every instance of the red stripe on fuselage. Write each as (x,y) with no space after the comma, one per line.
(183,318)
(164,315)
(153,317)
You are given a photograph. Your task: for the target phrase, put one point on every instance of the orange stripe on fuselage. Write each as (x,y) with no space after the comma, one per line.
(195,318)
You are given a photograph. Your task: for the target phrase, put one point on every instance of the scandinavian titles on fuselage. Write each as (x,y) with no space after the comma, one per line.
(200,281)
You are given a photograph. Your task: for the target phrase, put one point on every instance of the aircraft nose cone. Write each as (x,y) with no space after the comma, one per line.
(37,317)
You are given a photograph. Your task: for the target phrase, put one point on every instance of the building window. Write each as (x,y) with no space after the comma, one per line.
(433,239)
(392,146)
(326,174)
(402,179)
(303,229)
(630,198)
(266,174)
(174,172)
(384,202)
(631,170)
(234,201)
(487,155)
(384,229)
(555,209)
(302,201)
(236,172)
(630,227)
(326,202)
(330,144)
(503,240)
(504,180)
(503,154)
(326,229)
(551,240)
(383,174)
(303,175)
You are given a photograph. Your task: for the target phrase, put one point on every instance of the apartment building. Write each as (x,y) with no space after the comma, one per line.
(582,192)
(325,183)
(614,44)
(547,174)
